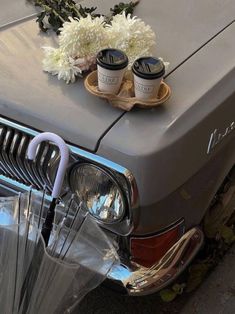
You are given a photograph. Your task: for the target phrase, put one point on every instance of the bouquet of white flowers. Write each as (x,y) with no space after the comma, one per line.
(83,33)
(81,40)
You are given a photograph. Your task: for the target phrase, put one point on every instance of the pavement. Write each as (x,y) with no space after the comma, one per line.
(216,295)
(104,301)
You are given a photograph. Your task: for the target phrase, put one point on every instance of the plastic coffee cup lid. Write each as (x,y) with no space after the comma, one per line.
(148,68)
(112,59)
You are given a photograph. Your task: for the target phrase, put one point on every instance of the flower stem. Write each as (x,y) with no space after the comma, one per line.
(52,10)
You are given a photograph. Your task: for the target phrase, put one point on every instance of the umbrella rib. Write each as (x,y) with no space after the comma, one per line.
(17,250)
(53,250)
(71,226)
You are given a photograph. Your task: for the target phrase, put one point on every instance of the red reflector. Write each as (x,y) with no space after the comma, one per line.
(147,251)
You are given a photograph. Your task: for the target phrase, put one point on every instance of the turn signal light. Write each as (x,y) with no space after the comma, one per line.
(149,250)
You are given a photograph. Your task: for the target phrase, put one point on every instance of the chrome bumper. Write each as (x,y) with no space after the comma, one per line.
(138,280)
(131,278)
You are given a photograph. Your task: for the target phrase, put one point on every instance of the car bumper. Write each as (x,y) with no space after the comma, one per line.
(131,278)
(137,280)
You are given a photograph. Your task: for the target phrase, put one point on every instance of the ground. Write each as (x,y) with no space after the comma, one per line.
(216,295)
(102,301)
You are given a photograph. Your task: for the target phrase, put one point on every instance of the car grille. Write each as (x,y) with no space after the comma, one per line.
(16,169)
(14,163)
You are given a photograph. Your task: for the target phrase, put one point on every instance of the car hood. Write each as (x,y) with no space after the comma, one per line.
(39,100)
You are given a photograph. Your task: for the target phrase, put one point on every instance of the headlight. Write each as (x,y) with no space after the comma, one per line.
(98,190)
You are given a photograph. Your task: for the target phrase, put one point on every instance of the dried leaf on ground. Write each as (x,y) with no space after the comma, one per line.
(197,273)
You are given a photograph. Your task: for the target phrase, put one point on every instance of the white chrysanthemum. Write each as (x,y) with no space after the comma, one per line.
(84,37)
(59,63)
(133,36)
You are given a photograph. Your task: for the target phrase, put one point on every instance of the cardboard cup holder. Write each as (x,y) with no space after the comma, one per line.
(126,99)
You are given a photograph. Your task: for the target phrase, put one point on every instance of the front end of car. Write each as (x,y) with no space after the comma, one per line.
(146,176)
(109,193)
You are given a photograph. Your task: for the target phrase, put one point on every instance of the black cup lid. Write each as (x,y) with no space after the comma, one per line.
(148,68)
(112,59)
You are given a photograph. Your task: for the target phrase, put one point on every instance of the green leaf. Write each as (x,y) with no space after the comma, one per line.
(40,18)
(59,12)
(227,234)
(167,295)
(54,22)
(179,288)
(197,273)
(121,7)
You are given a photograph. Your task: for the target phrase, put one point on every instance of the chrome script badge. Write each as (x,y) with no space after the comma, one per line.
(216,137)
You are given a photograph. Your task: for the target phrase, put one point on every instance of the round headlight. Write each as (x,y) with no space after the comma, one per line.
(98,191)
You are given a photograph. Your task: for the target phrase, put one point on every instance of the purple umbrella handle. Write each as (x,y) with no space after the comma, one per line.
(64,157)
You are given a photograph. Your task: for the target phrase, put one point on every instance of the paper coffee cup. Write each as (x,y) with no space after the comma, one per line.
(111,66)
(148,73)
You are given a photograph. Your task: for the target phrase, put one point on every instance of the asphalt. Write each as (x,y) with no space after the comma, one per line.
(103,301)
(216,295)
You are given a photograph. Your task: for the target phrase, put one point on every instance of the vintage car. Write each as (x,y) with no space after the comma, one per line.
(147,176)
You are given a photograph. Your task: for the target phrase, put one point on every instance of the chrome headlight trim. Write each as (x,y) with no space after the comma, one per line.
(112,178)
(133,195)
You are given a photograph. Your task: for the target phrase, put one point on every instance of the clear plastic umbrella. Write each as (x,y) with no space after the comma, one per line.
(14,233)
(40,279)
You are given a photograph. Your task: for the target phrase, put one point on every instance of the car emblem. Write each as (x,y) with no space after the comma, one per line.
(216,137)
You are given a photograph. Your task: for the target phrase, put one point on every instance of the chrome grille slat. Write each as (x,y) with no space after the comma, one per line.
(2,138)
(30,167)
(22,161)
(2,171)
(34,165)
(12,154)
(5,153)
(44,161)
(13,161)
(17,152)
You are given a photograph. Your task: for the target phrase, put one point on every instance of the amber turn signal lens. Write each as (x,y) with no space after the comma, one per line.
(149,250)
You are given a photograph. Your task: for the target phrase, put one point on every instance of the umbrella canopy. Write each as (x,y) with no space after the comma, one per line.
(77,260)
(49,272)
